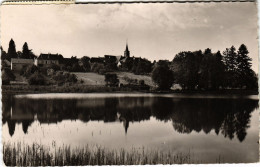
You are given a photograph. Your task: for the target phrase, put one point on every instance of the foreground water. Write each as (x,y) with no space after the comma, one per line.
(212,128)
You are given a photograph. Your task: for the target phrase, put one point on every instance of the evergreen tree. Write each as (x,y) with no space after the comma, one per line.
(12,50)
(27,53)
(245,73)
(243,60)
(220,73)
(206,71)
(230,61)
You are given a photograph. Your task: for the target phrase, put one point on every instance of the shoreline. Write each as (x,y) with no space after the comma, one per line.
(24,89)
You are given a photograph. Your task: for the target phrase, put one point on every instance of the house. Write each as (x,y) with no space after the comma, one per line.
(17,64)
(46,60)
(97,60)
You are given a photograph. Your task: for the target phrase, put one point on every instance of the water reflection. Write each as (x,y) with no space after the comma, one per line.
(228,117)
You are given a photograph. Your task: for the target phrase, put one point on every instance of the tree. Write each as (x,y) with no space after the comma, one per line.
(36,79)
(111,80)
(7,76)
(28,70)
(243,60)
(64,77)
(27,53)
(230,61)
(76,68)
(142,67)
(11,50)
(206,72)
(110,63)
(98,68)
(162,76)
(55,67)
(185,66)
(85,63)
(128,64)
(3,54)
(245,74)
(211,70)
(220,70)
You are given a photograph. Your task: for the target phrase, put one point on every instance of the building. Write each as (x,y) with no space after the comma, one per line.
(46,60)
(100,60)
(17,64)
(125,60)
(127,52)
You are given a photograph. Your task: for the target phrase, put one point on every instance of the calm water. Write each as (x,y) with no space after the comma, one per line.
(210,127)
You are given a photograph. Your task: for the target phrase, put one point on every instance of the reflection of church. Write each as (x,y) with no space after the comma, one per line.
(125,122)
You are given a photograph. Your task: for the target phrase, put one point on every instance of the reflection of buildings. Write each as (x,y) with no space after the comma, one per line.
(229,117)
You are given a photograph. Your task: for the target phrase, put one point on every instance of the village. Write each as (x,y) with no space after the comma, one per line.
(25,68)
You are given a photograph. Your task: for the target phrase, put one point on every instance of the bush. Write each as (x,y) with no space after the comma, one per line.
(43,70)
(36,79)
(98,68)
(64,77)
(141,82)
(76,68)
(111,80)
(28,70)
(55,67)
(72,78)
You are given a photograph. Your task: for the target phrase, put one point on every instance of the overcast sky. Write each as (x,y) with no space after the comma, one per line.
(154,31)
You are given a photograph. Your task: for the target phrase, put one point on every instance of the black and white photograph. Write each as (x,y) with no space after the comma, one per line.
(129,83)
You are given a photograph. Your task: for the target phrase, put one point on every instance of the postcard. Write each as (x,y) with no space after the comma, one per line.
(129,83)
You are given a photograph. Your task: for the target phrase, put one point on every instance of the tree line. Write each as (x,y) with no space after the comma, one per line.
(12,53)
(207,71)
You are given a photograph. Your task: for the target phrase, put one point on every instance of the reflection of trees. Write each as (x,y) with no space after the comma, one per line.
(11,127)
(229,117)
(26,124)
(162,108)
(6,107)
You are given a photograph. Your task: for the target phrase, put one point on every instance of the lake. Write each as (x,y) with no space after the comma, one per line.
(210,127)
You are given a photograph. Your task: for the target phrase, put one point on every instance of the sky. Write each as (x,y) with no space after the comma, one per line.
(153,30)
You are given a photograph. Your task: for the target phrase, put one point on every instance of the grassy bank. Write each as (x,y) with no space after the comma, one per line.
(39,155)
(60,89)
(78,88)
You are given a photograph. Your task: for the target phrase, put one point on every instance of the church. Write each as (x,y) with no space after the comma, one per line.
(124,62)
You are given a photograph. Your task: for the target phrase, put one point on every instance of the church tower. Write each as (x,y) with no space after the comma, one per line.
(127,52)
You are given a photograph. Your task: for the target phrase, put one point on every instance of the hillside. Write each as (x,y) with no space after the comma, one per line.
(91,78)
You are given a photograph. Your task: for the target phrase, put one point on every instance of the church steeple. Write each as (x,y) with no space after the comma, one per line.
(127,52)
